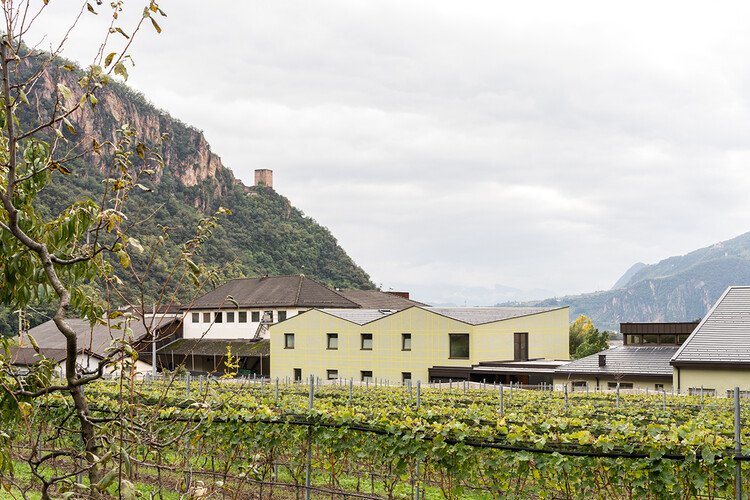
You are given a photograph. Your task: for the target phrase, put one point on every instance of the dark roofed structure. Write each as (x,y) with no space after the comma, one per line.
(629,361)
(722,339)
(272,291)
(94,340)
(376,299)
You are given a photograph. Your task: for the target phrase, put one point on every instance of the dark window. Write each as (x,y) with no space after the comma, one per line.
(230,316)
(288,341)
(242,316)
(405,377)
(196,317)
(366,375)
(298,374)
(459,345)
(367,341)
(282,315)
(682,338)
(218,317)
(667,339)
(206,317)
(634,339)
(659,387)
(730,393)
(255,316)
(406,341)
(332,341)
(650,339)
(332,374)
(623,385)
(521,346)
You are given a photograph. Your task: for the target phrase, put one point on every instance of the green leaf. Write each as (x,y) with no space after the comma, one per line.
(90,8)
(109,58)
(156,25)
(120,70)
(69,126)
(64,91)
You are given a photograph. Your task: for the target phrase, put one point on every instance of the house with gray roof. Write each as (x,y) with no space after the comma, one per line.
(716,356)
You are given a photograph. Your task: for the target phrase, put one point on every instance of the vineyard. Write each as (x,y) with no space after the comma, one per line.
(222,439)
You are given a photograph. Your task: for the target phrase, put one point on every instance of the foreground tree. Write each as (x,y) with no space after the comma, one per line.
(68,258)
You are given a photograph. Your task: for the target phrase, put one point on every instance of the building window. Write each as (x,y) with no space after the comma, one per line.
(196,317)
(650,339)
(405,377)
(623,385)
(730,393)
(268,316)
(230,316)
(282,315)
(667,339)
(206,317)
(242,316)
(218,317)
(288,341)
(579,385)
(332,374)
(406,341)
(332,341)
(634,339)
(696,391)
(255,316)
(366,375)
(366,341)
(459,345)
(682,338)
(659,387)
(298,374)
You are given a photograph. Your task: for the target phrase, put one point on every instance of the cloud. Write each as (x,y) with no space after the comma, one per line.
(538,146)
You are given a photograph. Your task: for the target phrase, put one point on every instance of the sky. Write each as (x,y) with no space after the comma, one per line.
(470,152)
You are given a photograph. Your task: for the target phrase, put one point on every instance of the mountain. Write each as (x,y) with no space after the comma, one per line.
(265,234)
(679,288)
(625,278)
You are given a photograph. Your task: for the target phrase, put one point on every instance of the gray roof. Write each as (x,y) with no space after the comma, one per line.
(625,360)
(482,315)
(94,340)
(724,334)
(376,299)
(218,347)
(359,316)
(272,291)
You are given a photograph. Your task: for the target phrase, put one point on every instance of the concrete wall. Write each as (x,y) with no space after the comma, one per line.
(548,337)
(226,330)
(718,379)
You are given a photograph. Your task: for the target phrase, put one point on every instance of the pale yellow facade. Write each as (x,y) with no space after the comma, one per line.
(718,380)
(430,334)
(639,384)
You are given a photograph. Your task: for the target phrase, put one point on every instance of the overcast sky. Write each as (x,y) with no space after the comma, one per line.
(457,147)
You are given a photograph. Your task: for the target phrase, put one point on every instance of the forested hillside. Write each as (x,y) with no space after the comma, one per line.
(264,234)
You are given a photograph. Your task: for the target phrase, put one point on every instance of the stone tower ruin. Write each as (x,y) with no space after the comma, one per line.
(264,177)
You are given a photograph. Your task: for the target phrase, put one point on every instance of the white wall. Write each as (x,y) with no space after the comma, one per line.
(225,330)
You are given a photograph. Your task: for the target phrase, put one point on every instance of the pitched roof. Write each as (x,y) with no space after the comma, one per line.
(376,299)
(625,360)
(482,315)
(217,347)
(27,356)
(272,291)
(724,334)
(360,316)
(94,340)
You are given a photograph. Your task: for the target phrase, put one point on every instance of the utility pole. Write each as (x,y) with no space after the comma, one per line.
(153,344)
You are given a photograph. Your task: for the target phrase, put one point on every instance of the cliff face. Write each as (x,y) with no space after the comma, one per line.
(187,155)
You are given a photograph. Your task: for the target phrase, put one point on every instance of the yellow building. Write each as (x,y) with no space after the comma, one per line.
(405,345)
(716,356)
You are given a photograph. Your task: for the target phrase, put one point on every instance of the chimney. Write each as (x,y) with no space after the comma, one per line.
(403,295)
(602,360)
(264,177)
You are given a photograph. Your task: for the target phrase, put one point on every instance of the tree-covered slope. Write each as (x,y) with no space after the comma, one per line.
(264,234)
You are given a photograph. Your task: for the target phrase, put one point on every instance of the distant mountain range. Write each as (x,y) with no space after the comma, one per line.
(679,288)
